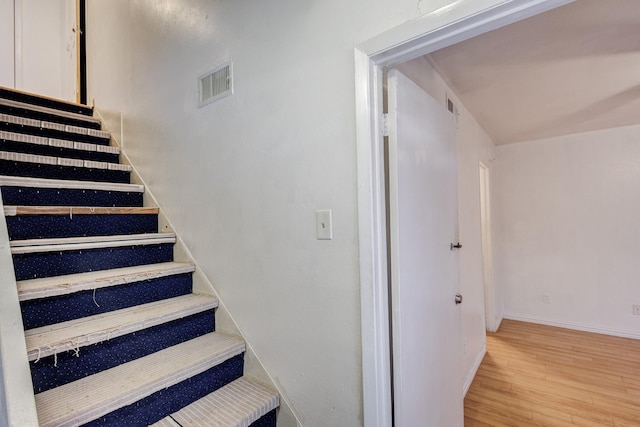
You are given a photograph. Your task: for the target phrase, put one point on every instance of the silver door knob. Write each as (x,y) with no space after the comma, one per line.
(458,298)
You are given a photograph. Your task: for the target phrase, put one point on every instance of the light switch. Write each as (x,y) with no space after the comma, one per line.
(324,228)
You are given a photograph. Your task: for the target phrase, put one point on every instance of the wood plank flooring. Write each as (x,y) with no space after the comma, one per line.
(535,375)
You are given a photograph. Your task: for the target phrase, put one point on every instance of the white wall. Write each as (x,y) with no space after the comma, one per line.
(241,179)
(570,209)
(474,145)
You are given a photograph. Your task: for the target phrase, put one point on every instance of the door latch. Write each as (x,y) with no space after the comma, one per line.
(458,298)
(456,246)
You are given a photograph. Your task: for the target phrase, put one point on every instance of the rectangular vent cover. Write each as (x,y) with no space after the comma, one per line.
(216,84)
(452,108)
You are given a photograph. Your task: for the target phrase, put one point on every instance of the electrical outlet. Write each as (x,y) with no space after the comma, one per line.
(636,310)
(546,298)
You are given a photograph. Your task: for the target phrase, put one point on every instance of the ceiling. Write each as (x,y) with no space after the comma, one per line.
(570,70)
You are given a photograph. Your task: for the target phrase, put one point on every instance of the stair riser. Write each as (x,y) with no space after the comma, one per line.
(47,311)
(48,150)
(45,102)
(29,196)
(267,420)
(53,133)
(23,227)
(37,170)
(162,403)
(48,264)
(108,354)
(39,115)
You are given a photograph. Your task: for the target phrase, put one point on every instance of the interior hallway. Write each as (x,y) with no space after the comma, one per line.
(535,375)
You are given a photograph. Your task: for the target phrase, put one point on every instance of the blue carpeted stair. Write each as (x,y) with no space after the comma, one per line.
(114,334)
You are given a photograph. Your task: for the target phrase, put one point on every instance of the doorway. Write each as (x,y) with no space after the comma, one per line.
(396,46)
(43,39)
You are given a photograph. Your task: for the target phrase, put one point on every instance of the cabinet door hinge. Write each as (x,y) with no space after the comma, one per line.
(385,124)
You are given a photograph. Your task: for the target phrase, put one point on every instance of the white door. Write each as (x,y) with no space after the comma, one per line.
(7,77)
(45,51)
(423,212)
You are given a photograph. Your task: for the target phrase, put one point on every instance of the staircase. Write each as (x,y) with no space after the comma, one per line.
(114,333)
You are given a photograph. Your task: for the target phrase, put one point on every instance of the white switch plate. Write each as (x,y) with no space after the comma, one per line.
(324,228)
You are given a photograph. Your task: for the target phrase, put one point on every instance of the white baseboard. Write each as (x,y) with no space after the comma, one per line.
(474,369)
(573,325)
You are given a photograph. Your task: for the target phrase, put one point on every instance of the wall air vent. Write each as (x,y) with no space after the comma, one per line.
(452,108)
(216,84)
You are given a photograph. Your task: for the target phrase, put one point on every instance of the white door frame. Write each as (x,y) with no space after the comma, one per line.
(491,322)
(446,26)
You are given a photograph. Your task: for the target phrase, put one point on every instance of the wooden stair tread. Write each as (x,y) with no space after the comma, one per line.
(48,110)
(78,210)
(19,181)
(89,242)
(74,334)
(238,403)
(89,398)
(67,284)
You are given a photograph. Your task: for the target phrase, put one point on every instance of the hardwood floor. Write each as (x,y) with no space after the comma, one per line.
(534,375)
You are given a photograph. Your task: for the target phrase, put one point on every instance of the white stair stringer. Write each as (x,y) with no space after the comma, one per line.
(238,404)
(63,285)
(94,396)
(75,334)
